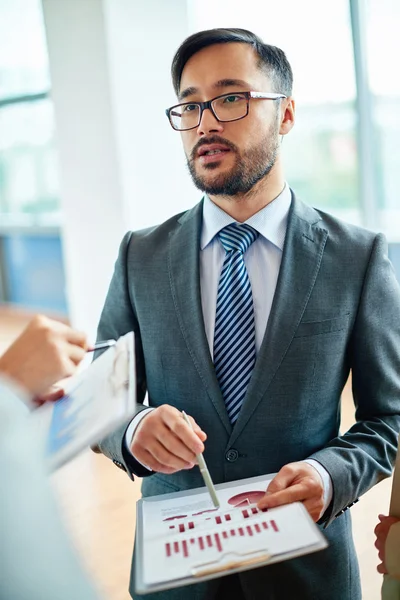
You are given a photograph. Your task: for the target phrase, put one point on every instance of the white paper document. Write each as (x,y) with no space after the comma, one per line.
(182,538)
(97,400)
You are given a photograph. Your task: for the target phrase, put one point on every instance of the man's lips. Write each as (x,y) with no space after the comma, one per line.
(212,150)
(212,153)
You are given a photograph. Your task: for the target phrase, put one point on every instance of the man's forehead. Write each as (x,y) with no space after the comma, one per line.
(222,65)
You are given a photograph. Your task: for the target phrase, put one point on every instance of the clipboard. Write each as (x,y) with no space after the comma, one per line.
(97,401)
(236,537)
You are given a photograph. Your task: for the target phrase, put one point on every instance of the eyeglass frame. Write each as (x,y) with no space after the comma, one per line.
(208,104)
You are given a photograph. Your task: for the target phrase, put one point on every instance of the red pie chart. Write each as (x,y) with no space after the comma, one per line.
(246,498)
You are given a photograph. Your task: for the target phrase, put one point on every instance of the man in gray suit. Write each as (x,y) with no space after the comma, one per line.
(249,312)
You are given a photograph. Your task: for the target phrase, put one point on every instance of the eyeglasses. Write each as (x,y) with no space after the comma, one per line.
(228,107)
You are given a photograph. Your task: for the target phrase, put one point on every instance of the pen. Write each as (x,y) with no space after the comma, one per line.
(101,345)
(204,471)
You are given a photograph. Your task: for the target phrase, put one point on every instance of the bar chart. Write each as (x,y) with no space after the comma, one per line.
(217,539)
(183,537)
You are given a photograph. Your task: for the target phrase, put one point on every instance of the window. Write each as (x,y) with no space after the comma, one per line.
(320,152)
(28,172)
(383,43)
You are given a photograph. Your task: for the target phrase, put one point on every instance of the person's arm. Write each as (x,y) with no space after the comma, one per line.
(37,559)
(117,318)
(365,454)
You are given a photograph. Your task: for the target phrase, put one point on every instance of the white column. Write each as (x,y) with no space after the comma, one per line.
(121,165)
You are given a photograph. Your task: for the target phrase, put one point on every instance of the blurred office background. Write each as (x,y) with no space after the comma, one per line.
(86,153)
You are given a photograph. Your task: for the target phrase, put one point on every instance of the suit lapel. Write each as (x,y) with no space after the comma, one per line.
(301,260)
(184,275)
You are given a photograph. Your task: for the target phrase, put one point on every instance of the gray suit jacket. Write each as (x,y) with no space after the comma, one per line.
(336,308)
(37,560)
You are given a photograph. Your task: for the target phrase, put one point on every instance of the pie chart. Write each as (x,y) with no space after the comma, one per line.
(246,498)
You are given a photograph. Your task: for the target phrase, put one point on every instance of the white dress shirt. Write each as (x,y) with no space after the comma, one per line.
(263,261)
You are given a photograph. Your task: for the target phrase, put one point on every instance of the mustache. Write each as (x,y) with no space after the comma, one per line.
(212,139)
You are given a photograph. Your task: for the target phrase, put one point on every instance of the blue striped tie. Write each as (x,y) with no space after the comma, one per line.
(234,335)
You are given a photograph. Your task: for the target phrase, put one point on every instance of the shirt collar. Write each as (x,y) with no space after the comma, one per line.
(270,221)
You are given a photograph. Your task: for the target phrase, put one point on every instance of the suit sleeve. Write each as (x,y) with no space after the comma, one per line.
(365,454)
(117,318)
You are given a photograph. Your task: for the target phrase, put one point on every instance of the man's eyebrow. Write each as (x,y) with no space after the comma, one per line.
(222,83)
(190,91)
(218,85)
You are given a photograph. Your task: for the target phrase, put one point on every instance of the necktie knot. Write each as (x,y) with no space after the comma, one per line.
(237,236)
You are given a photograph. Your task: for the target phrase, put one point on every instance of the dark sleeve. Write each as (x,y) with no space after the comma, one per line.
(117,318)
(365,454)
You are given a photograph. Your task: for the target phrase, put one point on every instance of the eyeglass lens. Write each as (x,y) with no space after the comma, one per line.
(226,108)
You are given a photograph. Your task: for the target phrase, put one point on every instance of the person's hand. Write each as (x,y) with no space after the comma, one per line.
(296,482)
(165,443)
(381,531)
(44,353)
(54,393)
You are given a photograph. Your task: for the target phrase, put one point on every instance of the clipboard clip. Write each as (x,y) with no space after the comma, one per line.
(227,565)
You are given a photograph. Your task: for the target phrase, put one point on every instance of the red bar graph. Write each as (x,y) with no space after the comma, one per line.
(215,540)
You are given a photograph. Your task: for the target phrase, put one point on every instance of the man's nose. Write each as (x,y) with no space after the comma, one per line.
(209,123)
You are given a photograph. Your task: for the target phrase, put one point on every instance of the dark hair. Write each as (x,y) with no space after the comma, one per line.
(270,58)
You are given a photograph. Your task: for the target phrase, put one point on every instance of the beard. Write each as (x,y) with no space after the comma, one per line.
(250,166)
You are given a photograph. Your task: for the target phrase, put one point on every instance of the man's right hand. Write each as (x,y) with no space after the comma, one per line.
(44,353)
(165,443)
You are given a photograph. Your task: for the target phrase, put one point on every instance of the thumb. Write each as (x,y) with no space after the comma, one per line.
(280,482)
(52,395)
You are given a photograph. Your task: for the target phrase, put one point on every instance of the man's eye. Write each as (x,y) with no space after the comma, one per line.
(232,98)
(189,108)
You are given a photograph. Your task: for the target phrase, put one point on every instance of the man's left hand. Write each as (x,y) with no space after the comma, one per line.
(296,482)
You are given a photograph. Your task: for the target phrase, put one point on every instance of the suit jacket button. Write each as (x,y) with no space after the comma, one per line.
(232,455)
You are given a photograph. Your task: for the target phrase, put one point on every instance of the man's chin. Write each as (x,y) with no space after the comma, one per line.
(213,177)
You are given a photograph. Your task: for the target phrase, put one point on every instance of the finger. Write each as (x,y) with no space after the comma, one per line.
(198,431)
(378,543)
(154,437)
(181,430)
(170,451)
(50,396)
(78,338)
(281,481)
(314,508)
(382,569)
(75,353)
(295,493)
(159,460)
(151,463)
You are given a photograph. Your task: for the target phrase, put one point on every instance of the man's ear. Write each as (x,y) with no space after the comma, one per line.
(288,109)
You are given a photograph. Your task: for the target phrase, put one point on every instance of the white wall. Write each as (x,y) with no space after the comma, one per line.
(119,159)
